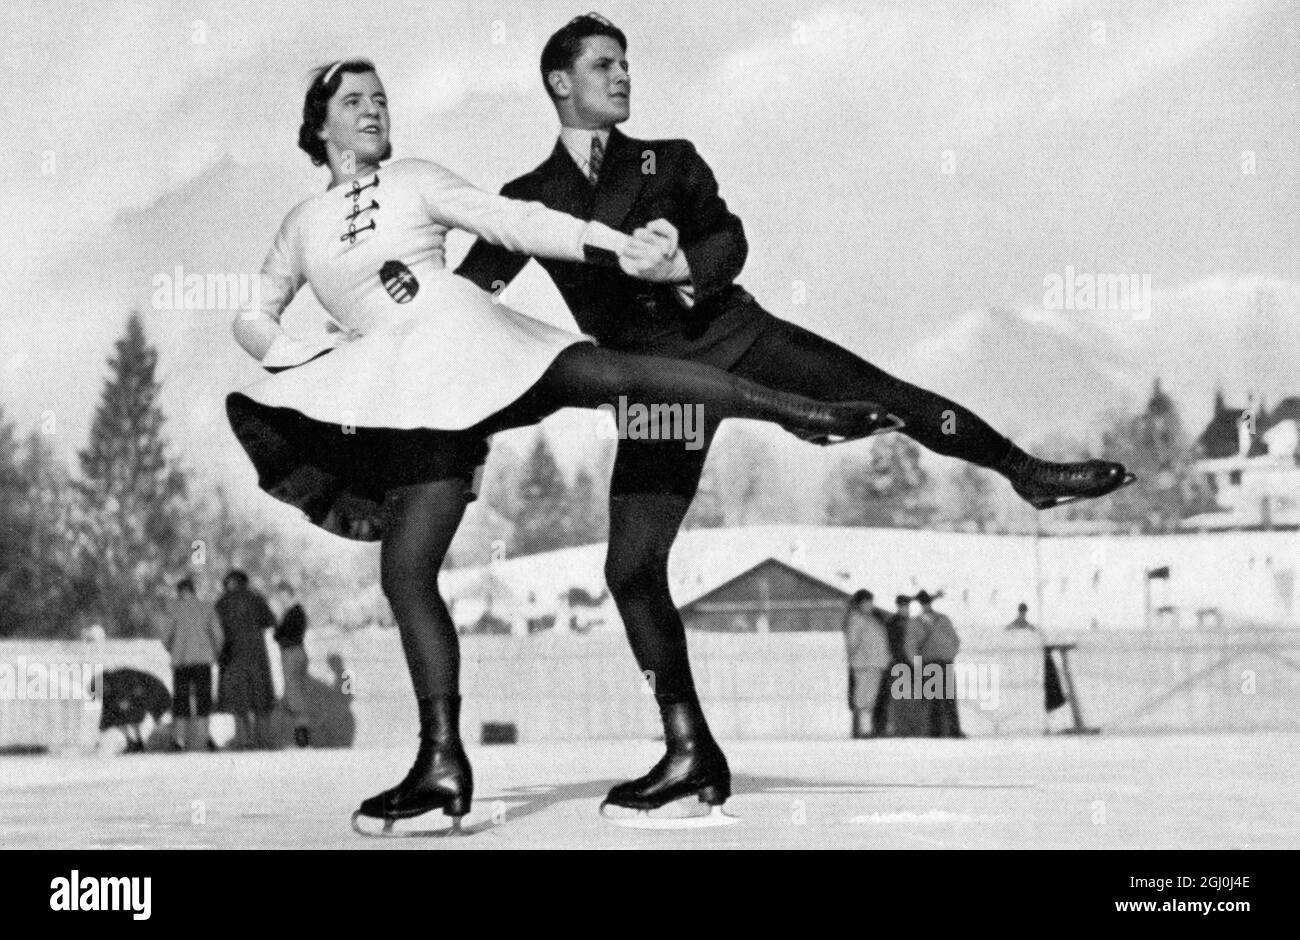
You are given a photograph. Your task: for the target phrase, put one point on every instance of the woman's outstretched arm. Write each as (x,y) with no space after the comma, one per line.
(527,228)
(258,329)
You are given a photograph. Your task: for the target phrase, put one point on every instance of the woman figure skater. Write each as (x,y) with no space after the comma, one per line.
(380,431)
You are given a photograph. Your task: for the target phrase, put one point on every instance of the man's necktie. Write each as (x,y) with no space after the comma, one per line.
(597,156)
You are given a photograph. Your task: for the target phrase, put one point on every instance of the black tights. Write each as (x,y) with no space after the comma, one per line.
(792,359)
(587,376)
(420,523)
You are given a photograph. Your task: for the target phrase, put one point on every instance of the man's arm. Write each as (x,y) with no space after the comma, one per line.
(215,633)
(168,636)
(852,636)
(490,266)
(265,616)
(711,237)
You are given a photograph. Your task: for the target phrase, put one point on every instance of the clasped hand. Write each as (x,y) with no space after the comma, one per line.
(652,254)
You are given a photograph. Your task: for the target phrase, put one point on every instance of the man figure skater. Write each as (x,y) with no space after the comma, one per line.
(692,309)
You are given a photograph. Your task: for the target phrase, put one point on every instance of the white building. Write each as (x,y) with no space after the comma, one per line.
(1069,582)
(1252,462)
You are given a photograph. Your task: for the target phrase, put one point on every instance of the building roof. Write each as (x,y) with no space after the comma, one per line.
(845,558)
(1160,403)
(1288,409)
(799,576)
(1221,437)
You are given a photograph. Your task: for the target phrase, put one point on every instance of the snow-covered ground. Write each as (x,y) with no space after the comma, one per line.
(1176,791)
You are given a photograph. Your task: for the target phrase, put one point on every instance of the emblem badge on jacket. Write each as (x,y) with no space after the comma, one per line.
(399,281)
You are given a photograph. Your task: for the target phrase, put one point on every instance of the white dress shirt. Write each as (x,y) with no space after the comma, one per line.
(577,141)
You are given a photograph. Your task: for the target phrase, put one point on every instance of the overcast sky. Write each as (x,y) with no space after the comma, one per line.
(1111,137)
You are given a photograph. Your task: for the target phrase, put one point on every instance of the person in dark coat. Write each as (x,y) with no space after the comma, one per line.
(245,689)
(896,626)
(127,696)
(293,661)
(909,713)
(938,646)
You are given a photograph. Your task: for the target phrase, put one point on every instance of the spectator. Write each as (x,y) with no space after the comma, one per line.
(1022,620)
(193,639)
(128,697)
(1053,691)
(293,661)
(909,713)
(867,641)
(897,627)
(245,688)
(937,643)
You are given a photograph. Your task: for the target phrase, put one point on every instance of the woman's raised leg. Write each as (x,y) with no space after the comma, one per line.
(587,376)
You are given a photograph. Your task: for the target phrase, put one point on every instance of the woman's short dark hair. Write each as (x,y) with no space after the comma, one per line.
(316,105)
(562,49)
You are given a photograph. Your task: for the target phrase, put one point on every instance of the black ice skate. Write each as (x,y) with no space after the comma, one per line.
(440,779)
(841,422)
(694,765)
(1045,485)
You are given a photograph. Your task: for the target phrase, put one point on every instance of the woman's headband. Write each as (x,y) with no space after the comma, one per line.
(329,75)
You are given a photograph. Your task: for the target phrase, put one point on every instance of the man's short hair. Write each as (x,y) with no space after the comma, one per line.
(185,584)
(239,577)
(861,597)
(563,48)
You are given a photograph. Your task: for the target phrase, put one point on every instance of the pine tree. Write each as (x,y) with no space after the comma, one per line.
(39,588)
(131,494)
(1155,446)
(974,498)
(588,510)
(229,539)
(15,534)
(887,490)
(706,508)
(543,502)
(745,478)
(60,589)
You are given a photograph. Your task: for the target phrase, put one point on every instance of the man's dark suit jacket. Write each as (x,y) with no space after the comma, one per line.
(641,181)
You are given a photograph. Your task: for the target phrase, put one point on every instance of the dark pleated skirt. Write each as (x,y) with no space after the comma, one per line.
(338,477)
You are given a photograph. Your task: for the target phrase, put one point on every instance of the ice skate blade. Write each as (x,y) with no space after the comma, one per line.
(894,423)
(387,832)
(643,820)
(1051,502)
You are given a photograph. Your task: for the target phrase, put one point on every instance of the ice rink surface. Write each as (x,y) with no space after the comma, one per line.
(1223,791)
